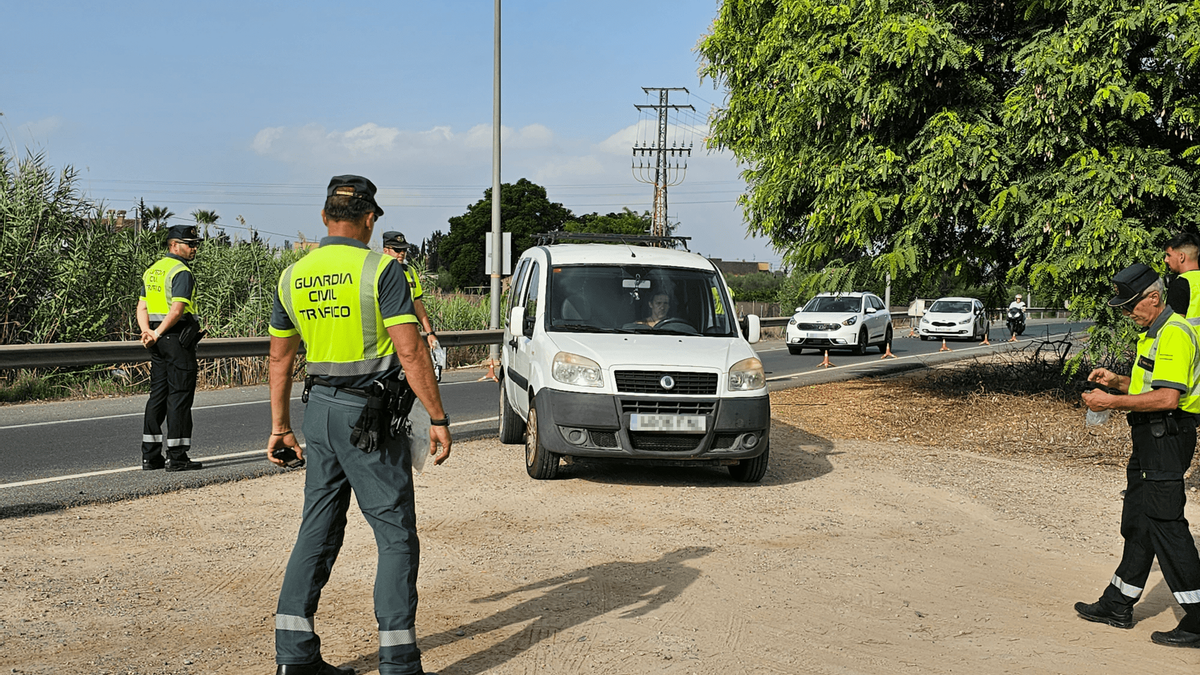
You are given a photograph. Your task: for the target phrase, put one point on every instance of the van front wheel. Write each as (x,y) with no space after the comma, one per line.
(540,463)
(512,427)
(751,470)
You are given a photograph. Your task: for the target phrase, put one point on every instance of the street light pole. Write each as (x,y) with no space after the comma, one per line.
(497,238)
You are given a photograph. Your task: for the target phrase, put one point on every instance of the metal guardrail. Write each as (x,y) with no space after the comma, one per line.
(67,354)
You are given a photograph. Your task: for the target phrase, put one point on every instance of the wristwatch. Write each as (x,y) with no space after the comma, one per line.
(444,422)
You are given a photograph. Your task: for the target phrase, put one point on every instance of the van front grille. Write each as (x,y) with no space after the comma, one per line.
(650,382)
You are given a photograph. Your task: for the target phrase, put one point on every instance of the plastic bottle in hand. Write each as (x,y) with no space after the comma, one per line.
(1096,418)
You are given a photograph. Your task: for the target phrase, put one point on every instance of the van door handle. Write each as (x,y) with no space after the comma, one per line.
(513,343)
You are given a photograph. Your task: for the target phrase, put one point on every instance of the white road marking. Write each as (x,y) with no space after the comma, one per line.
(209,458)
(135,414)
(899,358)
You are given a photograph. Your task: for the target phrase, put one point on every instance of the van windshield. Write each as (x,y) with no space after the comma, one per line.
(638,299)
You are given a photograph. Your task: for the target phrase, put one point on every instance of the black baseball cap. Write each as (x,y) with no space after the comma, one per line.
(354,186)
(185,233)
(1130,282)
(394,239)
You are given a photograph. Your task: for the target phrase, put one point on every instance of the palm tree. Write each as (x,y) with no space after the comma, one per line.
(205,218)
(160,215)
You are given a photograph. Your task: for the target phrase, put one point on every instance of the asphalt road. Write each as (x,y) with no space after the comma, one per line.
(59,454)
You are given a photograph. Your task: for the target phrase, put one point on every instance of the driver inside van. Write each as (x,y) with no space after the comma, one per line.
(660,304)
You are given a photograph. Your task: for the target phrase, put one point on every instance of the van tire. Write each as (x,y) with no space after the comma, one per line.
(512,427)
(540,463)
(751,470)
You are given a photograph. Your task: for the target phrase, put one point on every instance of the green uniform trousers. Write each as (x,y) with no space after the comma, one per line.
(382,483)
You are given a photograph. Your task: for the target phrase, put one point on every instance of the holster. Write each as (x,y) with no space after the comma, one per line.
(190,334)
(367,433)
(388,404)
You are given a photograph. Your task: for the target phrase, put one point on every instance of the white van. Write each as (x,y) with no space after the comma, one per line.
(631,353)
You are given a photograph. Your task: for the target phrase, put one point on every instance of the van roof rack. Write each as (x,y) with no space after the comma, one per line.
(635,239)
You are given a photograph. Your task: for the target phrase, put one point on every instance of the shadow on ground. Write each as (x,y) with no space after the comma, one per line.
(560,603)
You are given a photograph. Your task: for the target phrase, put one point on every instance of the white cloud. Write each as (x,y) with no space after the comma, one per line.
(429,175)
(40,131)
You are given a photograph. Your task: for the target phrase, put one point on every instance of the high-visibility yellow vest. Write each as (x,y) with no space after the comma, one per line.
(1170,355)
(414,283)
(332,298)
(1193,277)
(157,282)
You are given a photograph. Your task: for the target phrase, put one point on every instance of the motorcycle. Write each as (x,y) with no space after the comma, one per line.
(1016,321)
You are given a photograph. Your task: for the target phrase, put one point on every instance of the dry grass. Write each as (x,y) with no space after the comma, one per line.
(1011,405)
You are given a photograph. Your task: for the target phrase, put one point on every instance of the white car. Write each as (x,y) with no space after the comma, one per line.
(840,321)
(630,353)
(954,318)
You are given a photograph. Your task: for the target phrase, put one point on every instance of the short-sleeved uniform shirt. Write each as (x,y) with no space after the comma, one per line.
(1167,357)
(182,288)
(395,307)
(1184,294)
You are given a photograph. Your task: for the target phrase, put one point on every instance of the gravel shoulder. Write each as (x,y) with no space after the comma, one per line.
(877,543)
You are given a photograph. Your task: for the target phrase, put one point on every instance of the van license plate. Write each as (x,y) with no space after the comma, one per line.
(688,424)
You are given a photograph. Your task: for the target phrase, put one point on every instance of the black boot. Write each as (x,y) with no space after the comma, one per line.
(184,464)
(318,668)
(1102,612)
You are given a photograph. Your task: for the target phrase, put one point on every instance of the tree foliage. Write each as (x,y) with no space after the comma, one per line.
(524,210)
(1042,141)
(627,221)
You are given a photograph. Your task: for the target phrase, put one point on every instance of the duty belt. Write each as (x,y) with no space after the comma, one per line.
(1136,418)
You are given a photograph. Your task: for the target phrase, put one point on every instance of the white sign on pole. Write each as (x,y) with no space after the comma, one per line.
(506,257)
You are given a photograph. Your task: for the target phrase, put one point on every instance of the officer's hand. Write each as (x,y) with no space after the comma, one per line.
(1097,400)
(287,440)
(432,340)
(148,338)
(439,435)
(1104,376)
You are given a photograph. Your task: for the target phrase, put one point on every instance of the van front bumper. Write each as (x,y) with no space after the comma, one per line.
(597,425)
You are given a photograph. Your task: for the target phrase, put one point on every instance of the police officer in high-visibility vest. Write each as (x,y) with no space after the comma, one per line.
(353,309)
(166,314)
(1164,399)
(1181,255)
(395,245)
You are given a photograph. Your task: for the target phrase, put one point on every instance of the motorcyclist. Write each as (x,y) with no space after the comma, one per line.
(1016,318)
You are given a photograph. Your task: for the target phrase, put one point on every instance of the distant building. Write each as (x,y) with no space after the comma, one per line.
(737,268)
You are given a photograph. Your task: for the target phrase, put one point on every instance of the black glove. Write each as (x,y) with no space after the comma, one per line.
(367,432)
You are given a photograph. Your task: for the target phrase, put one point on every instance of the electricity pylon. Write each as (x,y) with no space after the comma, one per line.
(669,162)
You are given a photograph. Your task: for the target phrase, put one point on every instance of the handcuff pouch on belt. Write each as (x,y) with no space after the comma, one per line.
(1161,423)
(389,403)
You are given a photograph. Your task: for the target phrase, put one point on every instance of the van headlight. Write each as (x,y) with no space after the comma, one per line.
(577,370)
(747,375)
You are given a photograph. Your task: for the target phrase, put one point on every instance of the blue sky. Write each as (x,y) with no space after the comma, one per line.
(247,108)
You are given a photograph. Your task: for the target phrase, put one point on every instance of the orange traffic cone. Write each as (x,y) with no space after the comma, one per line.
(912,332)
(985,339)
(888,354)
(944,347)
(1013,338)
(491,373)
(825,363)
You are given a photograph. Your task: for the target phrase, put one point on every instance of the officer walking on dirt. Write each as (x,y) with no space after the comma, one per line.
(1182,251)
(166,316)
(352,308)
(1164,398)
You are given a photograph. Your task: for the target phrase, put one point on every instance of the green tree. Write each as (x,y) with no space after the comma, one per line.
(1040,141)
(524,210)
(626,222)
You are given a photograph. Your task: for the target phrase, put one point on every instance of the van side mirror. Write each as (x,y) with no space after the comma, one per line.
(516,320)
(753,328)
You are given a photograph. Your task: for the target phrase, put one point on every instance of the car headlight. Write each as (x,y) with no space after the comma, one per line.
(965,321)
(577,370)
(792,321)
(924,321)
(747,375)
(851,321)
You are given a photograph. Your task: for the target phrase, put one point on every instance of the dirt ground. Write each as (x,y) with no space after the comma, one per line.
(897,530)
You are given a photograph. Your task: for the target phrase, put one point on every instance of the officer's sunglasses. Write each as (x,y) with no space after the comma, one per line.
(1127,308)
